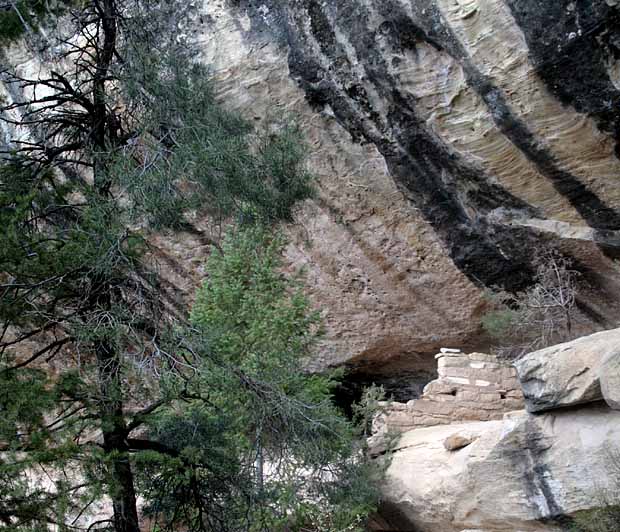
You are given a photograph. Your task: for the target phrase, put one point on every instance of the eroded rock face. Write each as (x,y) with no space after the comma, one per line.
(372,262)
(522,473)
(569,374)
(609,376)
(450,140)
(450,143)
(444,70)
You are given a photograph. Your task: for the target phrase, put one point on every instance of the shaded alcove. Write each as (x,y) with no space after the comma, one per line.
(403,378)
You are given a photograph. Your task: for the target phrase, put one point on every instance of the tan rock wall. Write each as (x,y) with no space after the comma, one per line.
(388,282)
(392,282)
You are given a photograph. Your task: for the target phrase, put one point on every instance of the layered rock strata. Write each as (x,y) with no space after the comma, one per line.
(450,144)
(451,141)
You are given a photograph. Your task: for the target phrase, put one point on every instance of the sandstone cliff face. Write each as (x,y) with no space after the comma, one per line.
(451,139)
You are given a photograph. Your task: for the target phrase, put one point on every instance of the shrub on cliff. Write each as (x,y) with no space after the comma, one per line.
(540,316)
(605,519)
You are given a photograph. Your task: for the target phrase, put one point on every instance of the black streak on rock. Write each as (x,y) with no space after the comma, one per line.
(570,44)
(452,194)
(585,202)
(537,476)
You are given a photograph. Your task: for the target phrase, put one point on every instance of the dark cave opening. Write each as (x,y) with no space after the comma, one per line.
(403,378)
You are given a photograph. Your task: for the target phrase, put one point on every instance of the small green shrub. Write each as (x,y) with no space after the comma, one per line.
(499,323)
(605,519)
(605,516)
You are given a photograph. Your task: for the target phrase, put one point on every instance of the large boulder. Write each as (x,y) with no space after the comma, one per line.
(568,374)
(609,376)
(523,473)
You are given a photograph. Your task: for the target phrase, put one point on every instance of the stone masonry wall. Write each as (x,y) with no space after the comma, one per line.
(470,387)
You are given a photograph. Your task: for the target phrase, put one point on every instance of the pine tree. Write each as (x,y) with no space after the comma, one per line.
(104,157)
(260,444)
(104,388)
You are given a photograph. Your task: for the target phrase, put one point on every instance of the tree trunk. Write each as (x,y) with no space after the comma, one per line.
(114,430)
(99,126)
(113,424)
(122,490)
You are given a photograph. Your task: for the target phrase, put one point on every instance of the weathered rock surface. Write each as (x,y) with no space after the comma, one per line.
(609,376)
(450,142)
(569,373)
(469,387)
(446,154)
(522,473)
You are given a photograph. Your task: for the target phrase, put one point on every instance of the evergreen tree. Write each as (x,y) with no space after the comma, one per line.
(255,429)
(127,141)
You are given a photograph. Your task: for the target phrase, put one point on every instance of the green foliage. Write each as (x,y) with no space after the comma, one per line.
(26,253)
(245,306)
(87,337)
(373,402)
(212,160)
(11,27)
(501,322)
(267,447)
(32,12)
(30,443)
(605,519)
(24,399)
(55,249)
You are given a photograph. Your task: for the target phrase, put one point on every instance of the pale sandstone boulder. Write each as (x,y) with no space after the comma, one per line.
(566,374)
(515,473)
(609,376)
